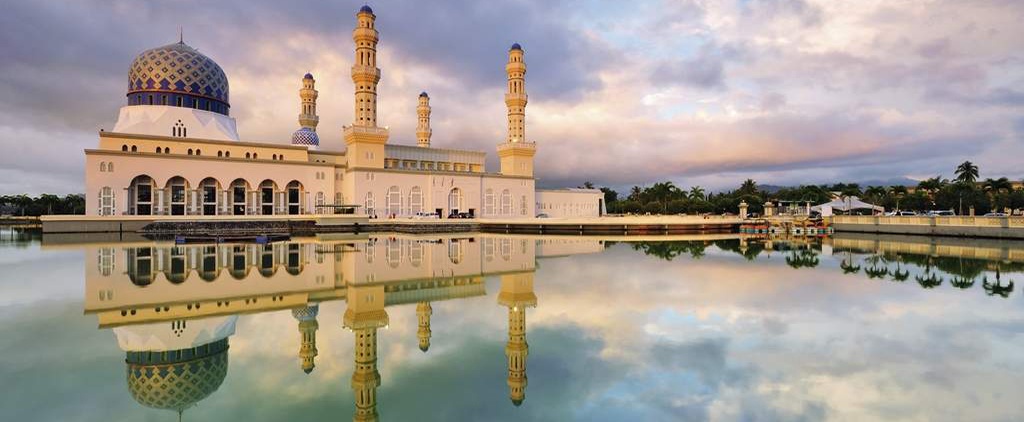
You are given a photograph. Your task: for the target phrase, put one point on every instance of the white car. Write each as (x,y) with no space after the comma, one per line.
(995,214)
(900,214)
(425,216)
(941,213)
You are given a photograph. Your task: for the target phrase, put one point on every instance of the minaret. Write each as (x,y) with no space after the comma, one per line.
(364,140)
(517,294)
(423,126)
(307,328)
(306,135)
(308,118)
(364,315)
(423,312)
(516,153)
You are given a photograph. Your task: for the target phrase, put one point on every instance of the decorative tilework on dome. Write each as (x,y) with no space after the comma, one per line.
(177,384)
(305,136)
(178,68)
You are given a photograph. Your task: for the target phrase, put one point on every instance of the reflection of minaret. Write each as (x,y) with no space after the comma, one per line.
(365,314)
(423,312)
(517,294)
(307,327)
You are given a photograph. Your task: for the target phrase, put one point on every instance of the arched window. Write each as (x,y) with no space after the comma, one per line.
(522,205)
(415,200)
(394,201)
(227,154)
(247,155)
(320,203)
(135,148)
(454,201)
(110,167)
(274,156)
(368,204)
(103,166)
(506,202)
(254,156)
(489,202)
(124,148)
(190,151)
(199,152)
(159,150)
(167,150)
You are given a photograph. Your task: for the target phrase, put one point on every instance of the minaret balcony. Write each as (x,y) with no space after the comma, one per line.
(365,73)
(515,67)
(515,98)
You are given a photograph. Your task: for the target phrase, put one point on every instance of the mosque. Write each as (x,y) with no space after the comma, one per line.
(175,151)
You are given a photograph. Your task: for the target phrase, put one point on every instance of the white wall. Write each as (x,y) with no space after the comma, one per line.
(570,203)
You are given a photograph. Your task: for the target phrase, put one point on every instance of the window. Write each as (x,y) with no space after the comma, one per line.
(106,201)
(415,200)
(103,166)
(178,100)
(369,203)
(522,205)
(199,152)
(254,156)
(135,148)
(159,150)
(247,155)
(220,153)
(110,167)
(506,202)
(124,148)
(489,202)
(190,151)
(394,201)
(227,154)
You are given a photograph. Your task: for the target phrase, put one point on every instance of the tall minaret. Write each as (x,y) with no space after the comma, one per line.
(516,153)
(307,328)
(517,294)
(423,312)
(364,140)
(423,126)
(515,99)
(308,118)
(364,315)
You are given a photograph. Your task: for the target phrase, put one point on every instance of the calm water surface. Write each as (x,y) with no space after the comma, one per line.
(492,327)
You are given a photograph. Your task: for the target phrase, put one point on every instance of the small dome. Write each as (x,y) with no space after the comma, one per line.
(307,370)
(366,9)
(178,75)
(424,347)
(517,402)
(305,136)
(308,76)
(516,46)
(423,94)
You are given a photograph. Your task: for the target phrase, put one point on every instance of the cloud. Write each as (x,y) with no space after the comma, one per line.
(620,94)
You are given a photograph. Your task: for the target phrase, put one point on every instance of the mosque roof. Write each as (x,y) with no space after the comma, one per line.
(516,46)
(178,68)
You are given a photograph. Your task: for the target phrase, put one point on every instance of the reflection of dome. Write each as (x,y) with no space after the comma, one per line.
(423,94)
(306,313)
(177,75)
(305,136)
(308,76)
(178,379)
(517,402)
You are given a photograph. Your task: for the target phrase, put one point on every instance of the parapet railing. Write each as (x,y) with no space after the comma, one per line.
(965,221)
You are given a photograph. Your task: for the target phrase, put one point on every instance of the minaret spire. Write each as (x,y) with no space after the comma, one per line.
(308,94)
(423,312)
(517,294)
(423,125)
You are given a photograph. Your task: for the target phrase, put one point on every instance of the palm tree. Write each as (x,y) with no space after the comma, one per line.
(875,193)
(636,193)
(898,192)
(966,172)
(997,288)
(749,187)
(962,282)
(848,266)
(931,185)
(697,192)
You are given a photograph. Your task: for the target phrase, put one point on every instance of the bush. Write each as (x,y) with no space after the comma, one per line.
(699,206)
(677,206)
(629,207)
(653,208)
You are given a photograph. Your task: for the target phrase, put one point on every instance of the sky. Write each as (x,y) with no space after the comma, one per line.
(698,92)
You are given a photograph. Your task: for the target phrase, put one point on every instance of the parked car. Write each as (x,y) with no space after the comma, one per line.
(900,213)
(995,214)
(941,213)
(425,216)
(460,215)
(542,215)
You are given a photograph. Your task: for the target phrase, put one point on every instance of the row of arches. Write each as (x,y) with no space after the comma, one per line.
(177,264)
(209,197)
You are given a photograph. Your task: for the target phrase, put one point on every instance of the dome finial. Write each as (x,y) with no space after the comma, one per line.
(181,35)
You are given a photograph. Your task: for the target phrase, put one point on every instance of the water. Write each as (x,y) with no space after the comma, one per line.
(492,327)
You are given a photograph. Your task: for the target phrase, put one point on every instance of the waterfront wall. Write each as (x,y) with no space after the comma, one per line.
(994,227)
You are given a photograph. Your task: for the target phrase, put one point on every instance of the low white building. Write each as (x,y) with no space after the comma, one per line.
(572,202)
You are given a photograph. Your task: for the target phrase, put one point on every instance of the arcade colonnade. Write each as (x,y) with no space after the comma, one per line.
(177,195)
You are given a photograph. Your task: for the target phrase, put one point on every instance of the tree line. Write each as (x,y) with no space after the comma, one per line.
(45,204)
(936,193)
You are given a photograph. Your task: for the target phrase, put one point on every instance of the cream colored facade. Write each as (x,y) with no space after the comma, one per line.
(167,156)
(573,202)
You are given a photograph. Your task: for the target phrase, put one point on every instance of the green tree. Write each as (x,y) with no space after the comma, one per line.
(966,172)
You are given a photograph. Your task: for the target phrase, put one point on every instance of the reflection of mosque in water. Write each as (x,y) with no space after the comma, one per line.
(173,307)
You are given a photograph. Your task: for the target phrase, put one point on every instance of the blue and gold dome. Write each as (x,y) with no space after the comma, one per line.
(178,75)
(305,136)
